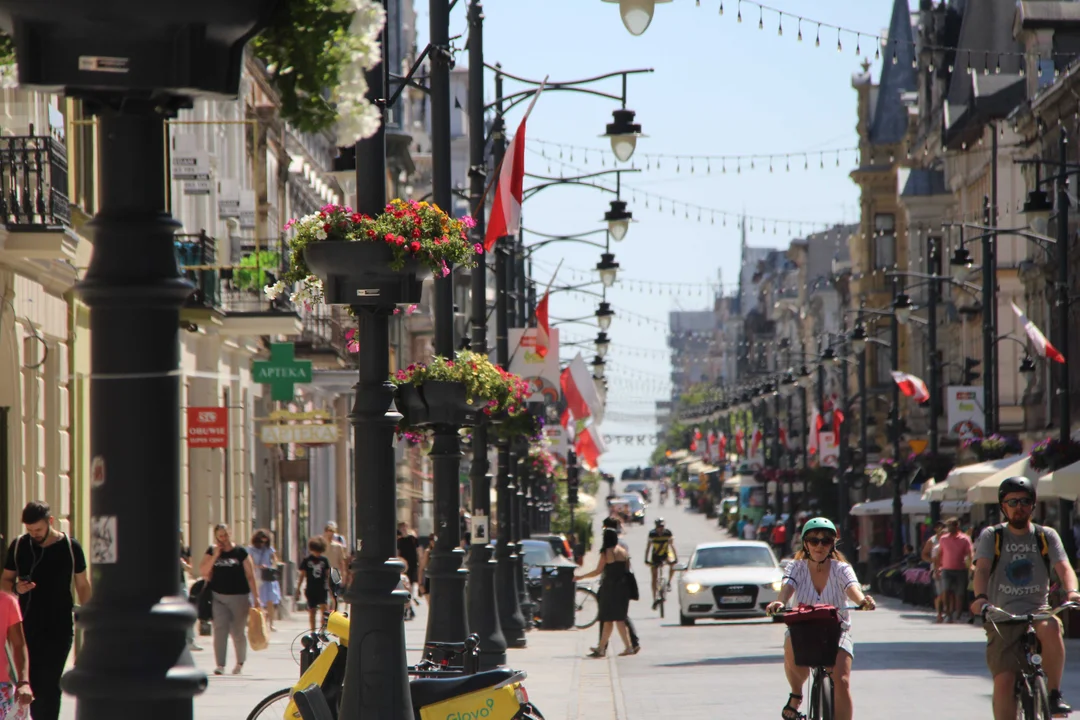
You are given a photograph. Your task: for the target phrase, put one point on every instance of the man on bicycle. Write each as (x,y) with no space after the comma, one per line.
(660,550)
(1012,572)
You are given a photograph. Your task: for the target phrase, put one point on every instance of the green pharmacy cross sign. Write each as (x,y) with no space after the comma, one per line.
(282,371)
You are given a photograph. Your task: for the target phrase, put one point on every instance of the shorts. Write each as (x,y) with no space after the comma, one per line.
(1003,646)
(659,560)
(939,586)
(956,582)
(315,597)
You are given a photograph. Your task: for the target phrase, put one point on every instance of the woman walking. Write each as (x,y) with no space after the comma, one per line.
(264,557)
(614,593)
(230,575)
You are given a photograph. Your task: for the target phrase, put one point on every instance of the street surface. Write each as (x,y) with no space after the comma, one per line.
(905,666)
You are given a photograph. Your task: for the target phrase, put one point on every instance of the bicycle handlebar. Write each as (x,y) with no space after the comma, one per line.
(787,610)
(1006,618)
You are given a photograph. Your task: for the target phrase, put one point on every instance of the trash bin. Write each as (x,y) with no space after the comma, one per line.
(557,606)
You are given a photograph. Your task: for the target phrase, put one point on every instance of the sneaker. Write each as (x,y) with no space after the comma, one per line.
(219,671)
(236,670)
(195,648)
(1058,706)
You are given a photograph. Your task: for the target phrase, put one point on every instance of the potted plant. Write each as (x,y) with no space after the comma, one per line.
(341,257)
(462,391)
(1052,454)
(994,447)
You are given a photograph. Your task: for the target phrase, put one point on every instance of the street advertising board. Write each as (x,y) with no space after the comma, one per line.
(306,434)
(542,373)
(191,164)
(966,413)
(558,440)
(829,448)
(207,427)
(228,198)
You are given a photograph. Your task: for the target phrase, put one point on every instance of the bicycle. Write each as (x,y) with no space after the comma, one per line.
(1032,693)
(586,607)
(821,686)
(436,684)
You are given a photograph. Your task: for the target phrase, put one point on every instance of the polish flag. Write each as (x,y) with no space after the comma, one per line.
(837,421)
(783,438)
(589,446)
(1042,345)
(723,446)
(543,328)
(739,447)
(757,441)
(506,205)
(565,418)
(580,391)
(911,386)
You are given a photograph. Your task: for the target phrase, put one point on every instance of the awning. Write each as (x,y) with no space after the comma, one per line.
(689,460)
(965,477)
(911,504)
(740,481)
(1066,482)
(1047,489)
(986,491)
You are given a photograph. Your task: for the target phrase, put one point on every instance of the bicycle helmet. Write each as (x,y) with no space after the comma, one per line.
(659,521)
(1015,484)
(819,523)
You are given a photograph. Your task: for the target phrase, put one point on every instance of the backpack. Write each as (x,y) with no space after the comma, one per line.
(1040,535)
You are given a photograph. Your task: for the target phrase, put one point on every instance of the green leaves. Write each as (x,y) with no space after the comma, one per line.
(255,278)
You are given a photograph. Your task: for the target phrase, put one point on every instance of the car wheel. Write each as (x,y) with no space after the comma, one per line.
(685,621)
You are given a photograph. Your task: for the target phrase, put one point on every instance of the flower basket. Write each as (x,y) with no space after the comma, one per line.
(359,273)
(435,402)
(1052,454)
(994,447)
(935,465)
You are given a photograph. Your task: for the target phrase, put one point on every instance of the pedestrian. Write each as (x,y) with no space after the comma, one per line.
(779,539)
(614,595)
(15,693)
(187,570)
(315,579)
(955,551)
(931,554)
(739,526)
(264,557)
(230,576)
(408,547)
(332,529)
(41,567)
(613,524)
(749,532)
(338,557)
(421,574)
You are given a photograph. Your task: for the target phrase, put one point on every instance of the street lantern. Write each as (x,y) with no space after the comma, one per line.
(618,220)
(623,133)
(602,344)
(960,263)
(789,383)
(829,356)
(600,384)
(902,307)
(1037,208)
(603,315)
(636,14)
(598,366)
(805,380)
(858,339)
(1027,365)
(608,269)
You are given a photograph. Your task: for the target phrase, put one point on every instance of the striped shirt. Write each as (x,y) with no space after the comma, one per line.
(841,577)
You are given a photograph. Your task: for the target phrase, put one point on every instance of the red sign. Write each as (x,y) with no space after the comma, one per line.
(207,427)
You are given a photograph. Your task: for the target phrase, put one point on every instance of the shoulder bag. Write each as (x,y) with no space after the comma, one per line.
(631,582)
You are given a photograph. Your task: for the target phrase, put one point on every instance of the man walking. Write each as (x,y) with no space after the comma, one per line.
(954,553)
(41,568)
(337,556)
(931,555)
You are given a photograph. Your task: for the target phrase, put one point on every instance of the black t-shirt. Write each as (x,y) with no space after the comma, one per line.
(50,568)
(228,577)
(407,547)
(316,572)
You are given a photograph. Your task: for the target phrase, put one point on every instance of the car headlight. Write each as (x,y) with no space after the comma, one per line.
(692,587)
(775,586)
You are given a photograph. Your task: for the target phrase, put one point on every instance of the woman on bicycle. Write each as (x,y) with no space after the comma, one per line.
(820,575)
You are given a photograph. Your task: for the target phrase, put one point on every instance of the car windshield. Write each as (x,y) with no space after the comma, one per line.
(718,557)
(537,553)
(634,502)
(634,487)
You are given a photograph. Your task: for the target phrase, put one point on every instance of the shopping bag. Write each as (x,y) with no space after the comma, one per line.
(10,709)
(258,633)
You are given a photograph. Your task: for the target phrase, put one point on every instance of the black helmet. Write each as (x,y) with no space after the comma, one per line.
(1015,484)
(659,521)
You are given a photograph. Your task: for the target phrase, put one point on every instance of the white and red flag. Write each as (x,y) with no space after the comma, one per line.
(580,391)
(1042,345)
(911,386)
(589,445)
(740,449)
(506,205)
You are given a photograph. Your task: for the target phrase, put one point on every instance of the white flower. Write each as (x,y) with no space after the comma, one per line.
(273,291)
(320,234)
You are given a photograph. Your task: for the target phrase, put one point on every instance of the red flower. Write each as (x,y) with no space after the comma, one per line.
(327,227)
(356,217)
(400,241)
(389,237)
(371,233)
(416,233)
(414,246)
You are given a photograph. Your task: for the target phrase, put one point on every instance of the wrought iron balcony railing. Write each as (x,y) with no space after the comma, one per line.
(232,289)
(33,183)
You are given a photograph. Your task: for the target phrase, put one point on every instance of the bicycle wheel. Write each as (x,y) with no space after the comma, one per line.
(663,599)
(586,608)
(1035,699)
(821,696)
(272,707)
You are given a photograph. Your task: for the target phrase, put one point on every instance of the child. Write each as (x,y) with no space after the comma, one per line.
(315,579)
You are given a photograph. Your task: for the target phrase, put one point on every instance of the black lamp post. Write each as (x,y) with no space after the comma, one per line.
(899,306)
(133,68)
(483,609)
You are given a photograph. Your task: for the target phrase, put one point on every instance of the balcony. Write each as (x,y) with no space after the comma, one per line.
(230,299)
(33,200)
(322,338)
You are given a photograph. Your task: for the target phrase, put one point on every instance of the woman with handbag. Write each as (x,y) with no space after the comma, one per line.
(617,589)
(264,556)
(821,575)
(230,576)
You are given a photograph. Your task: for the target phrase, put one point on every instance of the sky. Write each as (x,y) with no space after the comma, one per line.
(719,87)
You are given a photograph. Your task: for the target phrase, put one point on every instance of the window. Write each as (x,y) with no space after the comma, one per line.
(883,363)
(883,244)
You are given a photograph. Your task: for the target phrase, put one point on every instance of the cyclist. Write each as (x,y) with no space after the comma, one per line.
(1012,572)
(660,550)
(663,492)
(820,575)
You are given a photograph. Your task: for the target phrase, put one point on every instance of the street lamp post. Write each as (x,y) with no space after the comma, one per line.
(934,254)
(1062,292)
(989,311)
(482,605)
(894,421)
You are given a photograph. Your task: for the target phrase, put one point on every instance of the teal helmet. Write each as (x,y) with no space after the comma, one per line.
(819,523)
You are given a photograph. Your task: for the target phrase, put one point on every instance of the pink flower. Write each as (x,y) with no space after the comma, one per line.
(288,225)
(445,269)
(411,309)
(350,333)
(468,221)
(478,248)
(397,310)
(353,346)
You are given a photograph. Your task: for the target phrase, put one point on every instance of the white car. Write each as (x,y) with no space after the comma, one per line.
(734,578)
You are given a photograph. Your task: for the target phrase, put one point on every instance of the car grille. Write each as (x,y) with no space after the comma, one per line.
(721,591)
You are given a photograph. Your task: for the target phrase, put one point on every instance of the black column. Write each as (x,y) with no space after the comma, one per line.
(989,298)
(894,422)
(135,660)
(483,608)
(777,462)
(844,443)
(1062,302)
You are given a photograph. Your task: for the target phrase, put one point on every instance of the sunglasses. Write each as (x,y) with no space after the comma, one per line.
(815,541)
(1020,502)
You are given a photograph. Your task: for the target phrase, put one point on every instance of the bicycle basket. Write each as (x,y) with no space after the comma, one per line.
(815,635)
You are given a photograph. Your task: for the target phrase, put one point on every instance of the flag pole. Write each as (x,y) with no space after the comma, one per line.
(546,291)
